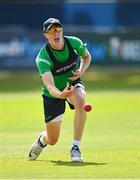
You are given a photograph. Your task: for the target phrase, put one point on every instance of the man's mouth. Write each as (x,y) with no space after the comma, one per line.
(56,40)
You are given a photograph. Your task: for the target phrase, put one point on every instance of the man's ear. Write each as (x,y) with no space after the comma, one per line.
(46,35)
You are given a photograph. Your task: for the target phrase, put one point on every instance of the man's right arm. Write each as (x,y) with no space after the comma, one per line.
(48,80)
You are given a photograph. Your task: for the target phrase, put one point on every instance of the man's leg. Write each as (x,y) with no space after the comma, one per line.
(49,137)
(78,100)
(53,111)
(52,132)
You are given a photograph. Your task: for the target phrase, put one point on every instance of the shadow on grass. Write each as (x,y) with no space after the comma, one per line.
(68,163)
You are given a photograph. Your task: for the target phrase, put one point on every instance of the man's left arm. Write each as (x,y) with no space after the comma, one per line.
(85,62)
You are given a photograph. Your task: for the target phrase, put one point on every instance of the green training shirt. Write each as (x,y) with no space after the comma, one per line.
(45,63)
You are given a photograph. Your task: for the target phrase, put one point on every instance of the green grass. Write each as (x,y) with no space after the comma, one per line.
(110,145)
(111,141)
(97,78)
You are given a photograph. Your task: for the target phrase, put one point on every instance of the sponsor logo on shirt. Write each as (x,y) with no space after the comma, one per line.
(66,67)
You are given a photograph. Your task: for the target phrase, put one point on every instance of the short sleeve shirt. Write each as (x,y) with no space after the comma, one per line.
(45,64)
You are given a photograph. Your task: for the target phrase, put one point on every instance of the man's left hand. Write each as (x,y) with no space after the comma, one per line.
(76,75)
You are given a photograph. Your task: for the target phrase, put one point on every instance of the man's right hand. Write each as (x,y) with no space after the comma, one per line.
(67,92)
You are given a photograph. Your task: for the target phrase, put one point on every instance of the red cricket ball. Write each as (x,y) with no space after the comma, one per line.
(87,107)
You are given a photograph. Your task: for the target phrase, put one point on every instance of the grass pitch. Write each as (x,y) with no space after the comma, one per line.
(111,141)
(110,144)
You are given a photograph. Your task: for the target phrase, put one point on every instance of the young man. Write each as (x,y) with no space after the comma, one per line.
(61,63)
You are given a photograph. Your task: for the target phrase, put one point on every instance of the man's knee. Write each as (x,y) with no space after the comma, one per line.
(79,102)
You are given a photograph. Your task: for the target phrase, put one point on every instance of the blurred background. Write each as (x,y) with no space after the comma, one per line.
(111,29)
(111,143)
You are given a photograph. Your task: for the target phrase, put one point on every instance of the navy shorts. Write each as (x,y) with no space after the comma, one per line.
(54,107)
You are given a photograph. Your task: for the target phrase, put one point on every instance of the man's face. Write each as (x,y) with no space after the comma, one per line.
(55,34)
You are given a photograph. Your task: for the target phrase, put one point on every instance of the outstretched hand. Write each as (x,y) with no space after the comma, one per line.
(67,92)
(76,75)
